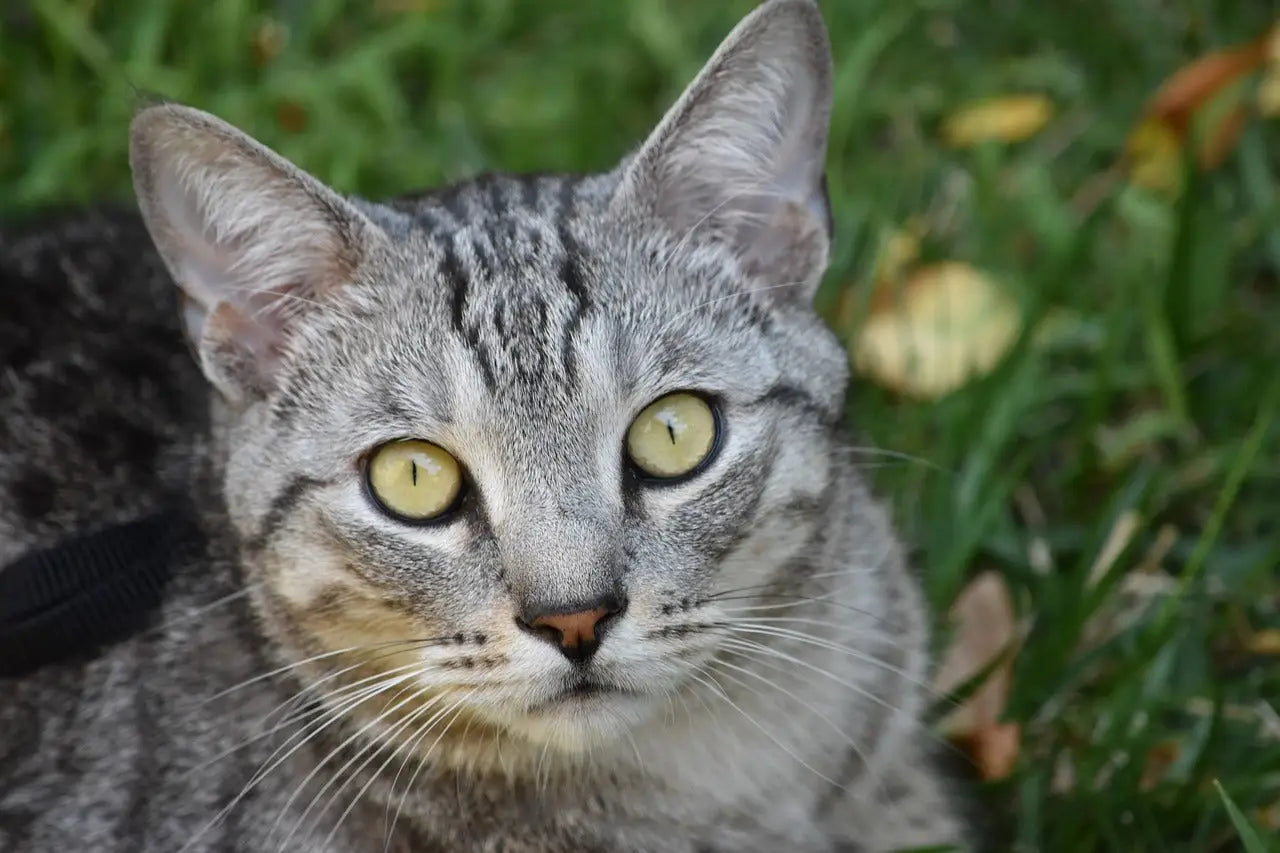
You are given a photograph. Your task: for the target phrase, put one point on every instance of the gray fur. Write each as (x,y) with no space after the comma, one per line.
(519,322)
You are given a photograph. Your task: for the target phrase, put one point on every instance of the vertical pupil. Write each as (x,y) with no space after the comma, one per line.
(413,471)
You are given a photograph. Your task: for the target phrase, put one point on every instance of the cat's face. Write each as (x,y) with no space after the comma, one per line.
(444,457)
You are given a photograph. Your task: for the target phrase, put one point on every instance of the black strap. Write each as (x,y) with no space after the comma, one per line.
(89,591)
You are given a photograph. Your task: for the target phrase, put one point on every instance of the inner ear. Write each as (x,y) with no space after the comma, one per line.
(253,242)
(739,160)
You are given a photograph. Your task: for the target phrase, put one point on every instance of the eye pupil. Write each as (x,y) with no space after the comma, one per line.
(673,437)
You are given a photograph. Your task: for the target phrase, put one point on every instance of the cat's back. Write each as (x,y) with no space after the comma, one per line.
(98,393)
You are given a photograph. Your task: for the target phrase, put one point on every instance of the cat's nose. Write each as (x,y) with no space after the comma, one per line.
(577,633)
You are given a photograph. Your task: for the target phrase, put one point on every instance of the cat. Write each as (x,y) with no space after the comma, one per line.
(522,516)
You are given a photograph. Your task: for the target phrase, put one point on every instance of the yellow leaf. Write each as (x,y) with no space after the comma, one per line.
(1269,85)
(1154,153)
(946,324)
(900,251)
(1011,118)
(1265,642)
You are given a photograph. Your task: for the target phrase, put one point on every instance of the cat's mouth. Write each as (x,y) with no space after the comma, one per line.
(580,688)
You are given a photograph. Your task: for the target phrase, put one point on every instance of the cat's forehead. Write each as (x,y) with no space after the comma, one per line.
(528,280)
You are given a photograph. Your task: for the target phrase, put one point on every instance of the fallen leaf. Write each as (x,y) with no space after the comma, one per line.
(1193,86)
(269,40)
(944,325)
(985,630)
(1265,642)
(1203,105)
(291,116)
(1011,118)
(1269,818)
(1269,85)
(1159,759)
(901,249)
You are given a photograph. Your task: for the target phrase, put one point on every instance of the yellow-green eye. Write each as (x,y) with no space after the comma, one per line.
(672,436)
(414,480)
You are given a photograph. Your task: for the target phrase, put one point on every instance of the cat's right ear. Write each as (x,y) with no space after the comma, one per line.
(252,241)
(739,159)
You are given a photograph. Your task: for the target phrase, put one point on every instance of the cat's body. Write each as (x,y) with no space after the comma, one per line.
(760,688)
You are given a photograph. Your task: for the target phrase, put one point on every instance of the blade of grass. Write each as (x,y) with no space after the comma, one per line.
(1248,835)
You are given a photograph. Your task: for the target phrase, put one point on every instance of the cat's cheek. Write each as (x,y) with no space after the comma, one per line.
(300,575)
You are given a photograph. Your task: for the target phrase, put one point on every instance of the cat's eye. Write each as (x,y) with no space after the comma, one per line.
(414,480)
(673,437)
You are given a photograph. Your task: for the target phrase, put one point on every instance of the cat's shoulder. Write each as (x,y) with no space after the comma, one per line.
(97,386)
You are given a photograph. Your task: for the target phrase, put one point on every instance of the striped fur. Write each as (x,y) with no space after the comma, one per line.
(763,689)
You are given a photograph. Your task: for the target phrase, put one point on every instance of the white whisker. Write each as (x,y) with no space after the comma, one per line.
(387,709)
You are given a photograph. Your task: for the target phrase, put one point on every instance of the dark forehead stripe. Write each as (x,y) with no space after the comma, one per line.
(571,275)
(459,286)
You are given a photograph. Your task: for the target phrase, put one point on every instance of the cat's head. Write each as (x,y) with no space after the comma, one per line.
(506,452)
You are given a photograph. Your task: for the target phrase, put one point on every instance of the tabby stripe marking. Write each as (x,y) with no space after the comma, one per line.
(571,276)
(282,506)
(460,284)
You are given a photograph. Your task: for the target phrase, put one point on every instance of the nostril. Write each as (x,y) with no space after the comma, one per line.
(614,607)
(550,633)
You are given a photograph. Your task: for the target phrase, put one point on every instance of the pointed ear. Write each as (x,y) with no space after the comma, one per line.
(252,241)
(740,158)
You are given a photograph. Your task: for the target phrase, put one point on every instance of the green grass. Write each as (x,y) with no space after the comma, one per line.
(1147,401)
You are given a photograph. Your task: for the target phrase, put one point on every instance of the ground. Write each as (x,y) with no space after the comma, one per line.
(1120,468)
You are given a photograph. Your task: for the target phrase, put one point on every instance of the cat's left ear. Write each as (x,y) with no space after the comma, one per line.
(253,241)
(740,158)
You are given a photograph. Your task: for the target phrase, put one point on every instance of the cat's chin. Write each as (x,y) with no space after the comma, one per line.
(575,722)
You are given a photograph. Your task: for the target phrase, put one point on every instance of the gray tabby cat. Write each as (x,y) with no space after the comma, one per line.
(530,524)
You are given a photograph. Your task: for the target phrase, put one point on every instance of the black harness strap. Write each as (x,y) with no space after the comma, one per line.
(86,592)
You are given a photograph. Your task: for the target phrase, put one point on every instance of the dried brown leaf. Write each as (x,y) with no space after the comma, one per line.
(1203,105)
(984,631)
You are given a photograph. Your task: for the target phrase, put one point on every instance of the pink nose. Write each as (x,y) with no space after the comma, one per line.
(572,629)
(576,634)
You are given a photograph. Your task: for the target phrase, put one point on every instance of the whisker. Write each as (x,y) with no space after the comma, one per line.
(753,650)
(896,455)
(793,600)
(414,741)
(847,572)
(387,709)
(808,706)
(764,731)
(282,669)
(853,745)
(387,739)
(200,610)
(261,773)
(801,637)
(324,703)
(308,692)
